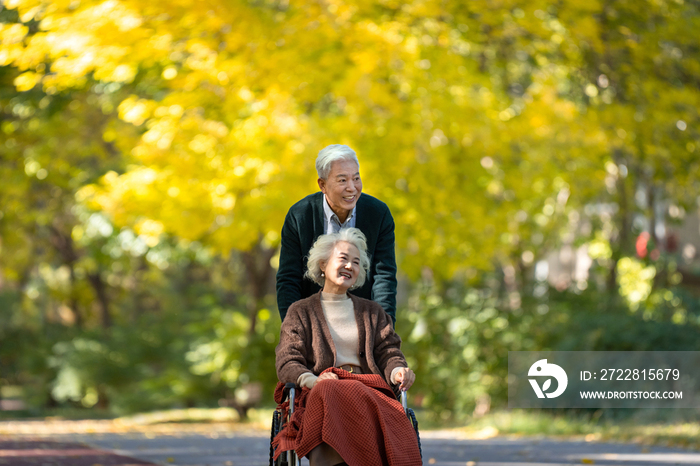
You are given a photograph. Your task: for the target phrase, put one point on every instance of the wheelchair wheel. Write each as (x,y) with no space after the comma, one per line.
(414,421)
(274,430)
(277,422)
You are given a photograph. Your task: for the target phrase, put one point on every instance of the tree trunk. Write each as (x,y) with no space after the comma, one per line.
(73,303)
(259,272)
(135,289)
(623,234)
(64,245)
(101,292)
(651,200)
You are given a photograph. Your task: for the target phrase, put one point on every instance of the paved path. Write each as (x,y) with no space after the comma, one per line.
(43,452)
(111,443)
(439,449)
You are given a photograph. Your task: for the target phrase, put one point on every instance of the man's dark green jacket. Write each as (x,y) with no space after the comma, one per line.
(305,222)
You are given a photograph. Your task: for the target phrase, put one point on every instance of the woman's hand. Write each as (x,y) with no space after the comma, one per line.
(326,376)
(406,377)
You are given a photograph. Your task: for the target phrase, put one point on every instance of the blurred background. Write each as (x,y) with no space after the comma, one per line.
(541,161)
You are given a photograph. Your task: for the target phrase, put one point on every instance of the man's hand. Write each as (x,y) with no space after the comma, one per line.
(406,377)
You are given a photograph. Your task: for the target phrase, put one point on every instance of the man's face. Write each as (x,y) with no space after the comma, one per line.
(342,188)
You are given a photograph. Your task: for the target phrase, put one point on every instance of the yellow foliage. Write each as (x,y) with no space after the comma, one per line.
(135,110)
(27,81)
(150,231)
(635,280)
(463,115)
(599,248)
(12,33)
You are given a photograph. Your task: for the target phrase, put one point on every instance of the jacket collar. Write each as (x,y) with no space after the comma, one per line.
(361,221)
(318,215)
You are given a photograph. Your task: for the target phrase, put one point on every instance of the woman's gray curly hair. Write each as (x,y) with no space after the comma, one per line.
(320,253)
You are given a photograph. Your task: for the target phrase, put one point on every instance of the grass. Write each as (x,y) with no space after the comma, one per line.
(258,418)
(648,427)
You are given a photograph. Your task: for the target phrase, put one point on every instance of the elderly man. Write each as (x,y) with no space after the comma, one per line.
(339,205)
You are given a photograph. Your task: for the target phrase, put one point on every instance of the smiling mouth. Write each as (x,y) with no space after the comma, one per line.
(349,199)
(346,275)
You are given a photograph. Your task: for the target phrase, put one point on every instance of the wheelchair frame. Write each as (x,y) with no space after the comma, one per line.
(290,458)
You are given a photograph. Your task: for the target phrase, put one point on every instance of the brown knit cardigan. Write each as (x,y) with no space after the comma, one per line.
(306,344)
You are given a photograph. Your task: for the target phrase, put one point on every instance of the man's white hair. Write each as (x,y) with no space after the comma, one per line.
(320,254)
(331,154)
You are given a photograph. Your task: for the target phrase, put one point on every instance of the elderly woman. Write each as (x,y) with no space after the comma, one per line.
(343,351)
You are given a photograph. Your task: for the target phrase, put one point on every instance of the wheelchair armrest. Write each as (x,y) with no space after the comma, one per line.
(287,387)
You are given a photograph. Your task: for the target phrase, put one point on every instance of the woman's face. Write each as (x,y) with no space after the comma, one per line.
(342,269)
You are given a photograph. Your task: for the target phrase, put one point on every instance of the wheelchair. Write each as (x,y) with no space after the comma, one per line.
(290,458)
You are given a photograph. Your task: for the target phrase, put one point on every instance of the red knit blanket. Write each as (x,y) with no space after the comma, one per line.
(357,415)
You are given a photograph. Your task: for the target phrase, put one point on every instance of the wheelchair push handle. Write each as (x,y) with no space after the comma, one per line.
(404,403)
(292,394)
(290,391)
